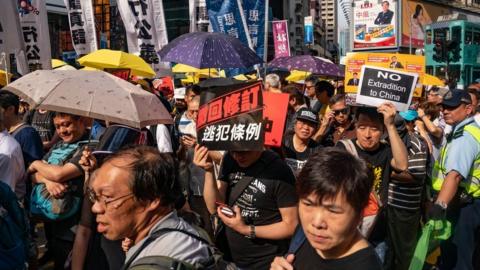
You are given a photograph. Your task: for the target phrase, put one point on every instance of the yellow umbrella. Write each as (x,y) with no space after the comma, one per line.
(432,80)
(182,68)
(297,75)
(243,77)
(190,79)
(105,58)
(3,78)
(58,63)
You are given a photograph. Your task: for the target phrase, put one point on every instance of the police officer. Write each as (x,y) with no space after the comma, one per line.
(456,179)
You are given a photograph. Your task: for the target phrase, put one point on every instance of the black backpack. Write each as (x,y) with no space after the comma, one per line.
(214,262)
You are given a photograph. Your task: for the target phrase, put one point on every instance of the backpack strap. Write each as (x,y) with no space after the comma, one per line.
(350,146)
(297,240)
(156,235)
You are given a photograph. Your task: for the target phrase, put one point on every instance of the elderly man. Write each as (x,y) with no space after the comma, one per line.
(133,196)
(272,83)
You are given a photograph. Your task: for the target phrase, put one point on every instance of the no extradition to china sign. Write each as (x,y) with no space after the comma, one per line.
(378,85)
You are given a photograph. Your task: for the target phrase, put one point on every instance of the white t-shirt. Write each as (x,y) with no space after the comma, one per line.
(164,142)
(12,168)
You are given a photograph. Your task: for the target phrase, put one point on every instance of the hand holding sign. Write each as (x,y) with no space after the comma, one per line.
(388,110)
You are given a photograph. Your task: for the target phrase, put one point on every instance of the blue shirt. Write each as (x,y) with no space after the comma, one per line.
(30,142)
(462,151)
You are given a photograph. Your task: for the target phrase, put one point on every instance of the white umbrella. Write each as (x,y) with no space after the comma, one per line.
(94,94)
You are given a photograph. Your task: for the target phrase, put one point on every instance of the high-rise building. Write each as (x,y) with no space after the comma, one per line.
(329,17)
(344,41)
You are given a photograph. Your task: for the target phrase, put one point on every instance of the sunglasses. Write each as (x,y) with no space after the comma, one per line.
(342,111)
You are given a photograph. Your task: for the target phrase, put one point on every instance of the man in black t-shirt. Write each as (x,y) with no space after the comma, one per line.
(333,188)
(265,208)
(299,145)
(370,124)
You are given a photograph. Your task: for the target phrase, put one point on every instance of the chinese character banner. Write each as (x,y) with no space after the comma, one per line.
(146,30)
(11,39)
(34,24)
(82,25)
(255,17)
(281,41)
(231,118)
(227,17)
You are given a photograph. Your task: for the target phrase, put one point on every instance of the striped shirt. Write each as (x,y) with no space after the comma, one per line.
(409,195)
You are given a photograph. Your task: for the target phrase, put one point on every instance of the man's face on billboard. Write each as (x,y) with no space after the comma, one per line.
(385,6)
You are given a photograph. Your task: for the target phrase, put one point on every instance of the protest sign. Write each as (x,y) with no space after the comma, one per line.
(281,42)
(12,48)
(379,85)
(82,26)
(403,62)
(231,118)
(274,115)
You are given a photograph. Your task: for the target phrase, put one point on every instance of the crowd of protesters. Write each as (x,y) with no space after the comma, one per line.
(350,187)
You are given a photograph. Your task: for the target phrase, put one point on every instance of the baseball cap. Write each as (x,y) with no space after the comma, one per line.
(455,97)
(307,115)
(179,93)
(409,115)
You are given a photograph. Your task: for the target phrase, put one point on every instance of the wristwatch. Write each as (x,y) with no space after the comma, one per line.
(251,235)
(442,204)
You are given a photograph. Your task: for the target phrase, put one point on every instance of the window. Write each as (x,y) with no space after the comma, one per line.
(476,38)
(429,70)
(440,34)
(456,33)
(468,36)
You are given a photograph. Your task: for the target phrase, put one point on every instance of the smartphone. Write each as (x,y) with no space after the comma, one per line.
(226,210)
(101,155)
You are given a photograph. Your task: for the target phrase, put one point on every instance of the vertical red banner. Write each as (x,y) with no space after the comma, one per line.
(280,38)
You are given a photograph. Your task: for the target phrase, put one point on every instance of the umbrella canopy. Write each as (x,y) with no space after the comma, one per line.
(58,63)
(297,75)
(182,68)
(218,82)
(104,58)
(209,50)
(94,94)
(432,80)
(3,77)
(308,63)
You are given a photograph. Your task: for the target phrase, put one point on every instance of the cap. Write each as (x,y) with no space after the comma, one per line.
(456,97)
(307,115)
(179,93)
(409,115)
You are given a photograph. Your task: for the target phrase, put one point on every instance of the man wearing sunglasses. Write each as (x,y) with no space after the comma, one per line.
(455,180)
(337,124)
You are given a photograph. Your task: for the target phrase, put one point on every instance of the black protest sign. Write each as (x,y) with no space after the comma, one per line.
(379,85)
(230,118)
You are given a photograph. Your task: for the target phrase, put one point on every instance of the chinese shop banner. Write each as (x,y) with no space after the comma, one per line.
(255,15)
(34,24)
(231,118)
(82,25)
(146,30)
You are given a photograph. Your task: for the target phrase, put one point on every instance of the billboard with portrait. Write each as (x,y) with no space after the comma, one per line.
(375,24)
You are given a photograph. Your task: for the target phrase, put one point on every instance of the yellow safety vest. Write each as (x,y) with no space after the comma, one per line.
(472,183)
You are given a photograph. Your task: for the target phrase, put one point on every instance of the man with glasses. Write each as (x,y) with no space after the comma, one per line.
(337,124)
(455,179)
(310,83)
(133,195)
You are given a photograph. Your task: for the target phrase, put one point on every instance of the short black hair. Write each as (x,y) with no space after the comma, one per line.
(370,112)
(8,99)
(63,114)
(386,2)
(336,98)
(333,170)
(311,78)
(193,88)
(324,86)
(293,92)
(155,174)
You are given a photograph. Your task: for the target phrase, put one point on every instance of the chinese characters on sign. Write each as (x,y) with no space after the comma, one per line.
(82,27)
(35,33)
(144,30)
(231,119)
(256,19)
(280,38)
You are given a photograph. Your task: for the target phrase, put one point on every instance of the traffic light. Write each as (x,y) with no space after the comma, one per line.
(454,50)
(439,51)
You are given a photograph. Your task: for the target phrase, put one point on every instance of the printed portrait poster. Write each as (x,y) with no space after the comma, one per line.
(231,118)
(375,24)
(402,62)
(378,85)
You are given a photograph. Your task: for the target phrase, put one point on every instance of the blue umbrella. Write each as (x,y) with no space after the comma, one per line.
(308,63)
(209,50)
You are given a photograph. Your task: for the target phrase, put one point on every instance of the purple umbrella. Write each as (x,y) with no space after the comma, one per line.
(209,50)
(308,63)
